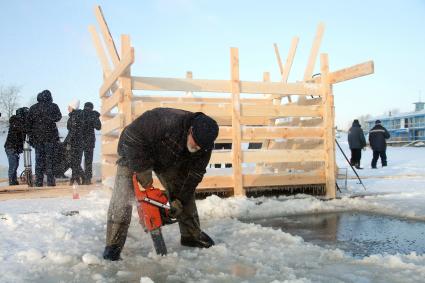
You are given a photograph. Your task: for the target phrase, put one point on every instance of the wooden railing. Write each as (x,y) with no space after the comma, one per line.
(297,138)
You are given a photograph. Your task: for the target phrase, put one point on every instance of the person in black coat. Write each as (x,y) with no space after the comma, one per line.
(44,133)
(91,122)
(14,144)
(377,140)
(357,142)
(74,141)
(176,145)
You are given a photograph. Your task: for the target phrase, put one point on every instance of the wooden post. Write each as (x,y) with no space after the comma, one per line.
(125,107)
(236,127)
(189,75)
(328,120)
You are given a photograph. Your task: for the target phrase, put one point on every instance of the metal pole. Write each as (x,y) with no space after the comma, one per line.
(354,170)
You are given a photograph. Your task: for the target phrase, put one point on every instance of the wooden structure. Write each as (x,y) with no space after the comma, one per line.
(296,135)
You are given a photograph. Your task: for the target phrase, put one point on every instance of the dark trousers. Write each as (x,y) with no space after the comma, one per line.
(44,163)
(376,155)
(88,162)
(13,158)
(356,156)
(76,157)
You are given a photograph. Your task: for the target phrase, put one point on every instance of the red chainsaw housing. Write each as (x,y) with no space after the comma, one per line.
(149,215)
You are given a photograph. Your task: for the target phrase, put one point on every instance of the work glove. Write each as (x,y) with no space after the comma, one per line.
(145,178)
(176,208)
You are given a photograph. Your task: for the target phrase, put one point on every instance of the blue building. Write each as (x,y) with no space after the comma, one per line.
(403,127)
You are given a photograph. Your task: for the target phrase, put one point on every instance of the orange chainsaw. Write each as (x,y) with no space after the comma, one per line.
(153,210)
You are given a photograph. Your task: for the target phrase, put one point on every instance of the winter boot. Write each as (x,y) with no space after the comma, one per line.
(112,252)
(357,165)
(204,241)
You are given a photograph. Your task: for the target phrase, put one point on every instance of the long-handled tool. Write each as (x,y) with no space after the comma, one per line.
(153,211)
(354,170)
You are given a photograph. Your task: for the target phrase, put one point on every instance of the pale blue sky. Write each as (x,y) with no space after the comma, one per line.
(46,44)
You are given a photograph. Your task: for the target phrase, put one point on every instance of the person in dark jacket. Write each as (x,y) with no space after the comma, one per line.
(177,146)
(74,141)
(44,133)
(377,140)
(91,122)
(14,144)
(357,142)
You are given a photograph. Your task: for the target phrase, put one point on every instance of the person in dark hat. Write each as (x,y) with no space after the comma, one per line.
(42,118)
(177,146)
(14,144)
(357,142)
(377,140)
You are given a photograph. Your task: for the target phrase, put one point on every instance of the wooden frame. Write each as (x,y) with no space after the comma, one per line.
(296,138)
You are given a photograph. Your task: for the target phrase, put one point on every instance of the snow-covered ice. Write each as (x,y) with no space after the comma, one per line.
(41,242)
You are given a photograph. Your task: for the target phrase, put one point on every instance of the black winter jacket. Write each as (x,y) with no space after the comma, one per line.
(16,134)
(377,138)
(75,126)
(356,139)
(42,120)
(91,122)
(157,141)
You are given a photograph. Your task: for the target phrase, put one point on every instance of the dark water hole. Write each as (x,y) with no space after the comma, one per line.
(357,233)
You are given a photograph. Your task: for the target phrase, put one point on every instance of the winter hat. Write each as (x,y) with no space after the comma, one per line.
(74,104)
(356,122)
(377,122)
(45,96)
(204,131)
(88,106)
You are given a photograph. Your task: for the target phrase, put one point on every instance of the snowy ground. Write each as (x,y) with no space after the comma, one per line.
(39,243)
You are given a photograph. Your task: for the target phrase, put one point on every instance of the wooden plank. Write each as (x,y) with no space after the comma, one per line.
(236,126)
(110,148)
(289,59)
(108,103)
(189,75)
(272,132)
(284,71)
(349,73)
(247,110)
(282,110)
(314,52)
(328,119)
(256,180)
(125,106)
(107,37)
(265,143)
(275,156)
(222,86)
(100,51)
(217,100)
(119,70)
(139,108)
(270,155)
(111,125)
(310,101)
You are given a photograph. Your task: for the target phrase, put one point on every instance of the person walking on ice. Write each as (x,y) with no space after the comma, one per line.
(377,139)
(357,142)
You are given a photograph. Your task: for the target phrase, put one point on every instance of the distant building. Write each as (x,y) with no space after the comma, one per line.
(403,127)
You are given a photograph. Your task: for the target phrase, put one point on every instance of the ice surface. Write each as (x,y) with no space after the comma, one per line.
(40,242)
